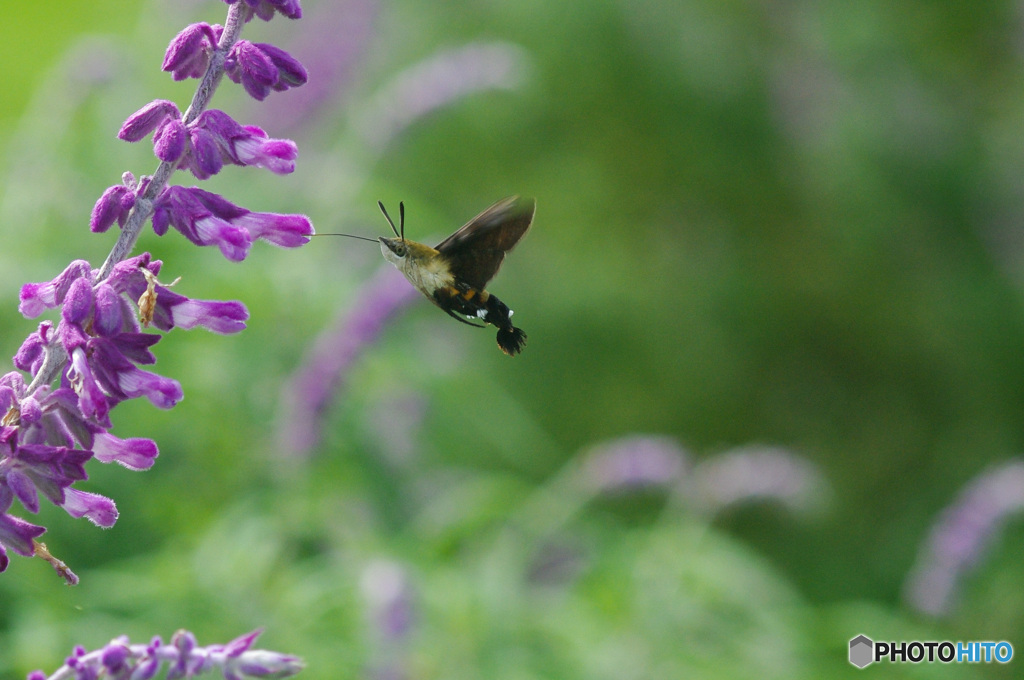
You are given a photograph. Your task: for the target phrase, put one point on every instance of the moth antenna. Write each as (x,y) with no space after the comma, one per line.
(388,217)
(401,217)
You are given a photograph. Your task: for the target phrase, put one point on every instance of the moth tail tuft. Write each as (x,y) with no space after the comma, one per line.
(511,340)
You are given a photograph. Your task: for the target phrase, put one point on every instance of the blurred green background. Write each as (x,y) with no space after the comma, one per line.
(791,224)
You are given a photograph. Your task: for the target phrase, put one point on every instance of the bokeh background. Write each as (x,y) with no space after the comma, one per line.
(773,392)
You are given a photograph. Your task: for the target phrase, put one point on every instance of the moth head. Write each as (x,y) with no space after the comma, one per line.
(405,254)
(394,250)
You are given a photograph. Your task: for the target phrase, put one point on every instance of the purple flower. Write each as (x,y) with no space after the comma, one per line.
(388,594)
(261,67)
(36,297)
(207,219)
(147,119)
(391,611)
(102,340)
(113,206)
(184,658)
(16,534)
(188,55)
(39,456)
(756,473)
(170,141)
(134,453)
(637,461)
(265,9)
(216,138)
(31,353)
(962,535)
(213,139)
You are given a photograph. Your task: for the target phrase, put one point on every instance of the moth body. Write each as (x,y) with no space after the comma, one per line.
(454,274)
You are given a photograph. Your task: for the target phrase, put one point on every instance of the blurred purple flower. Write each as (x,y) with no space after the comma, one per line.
(741,475)
(314,384)
(183,657)
(755,473)
(962,535)
(636,461)
(389,599)
(388,596)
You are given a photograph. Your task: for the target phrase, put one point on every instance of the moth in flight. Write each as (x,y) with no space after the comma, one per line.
(454,274)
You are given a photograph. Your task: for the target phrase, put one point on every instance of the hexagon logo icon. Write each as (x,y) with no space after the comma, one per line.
(861,651)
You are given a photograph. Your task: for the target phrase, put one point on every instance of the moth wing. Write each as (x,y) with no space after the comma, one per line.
(475,252)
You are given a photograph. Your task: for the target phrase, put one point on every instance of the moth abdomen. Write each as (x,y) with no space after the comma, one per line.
(510,339)
(480,304)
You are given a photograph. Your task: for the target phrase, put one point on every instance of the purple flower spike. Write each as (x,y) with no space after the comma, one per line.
(184,656)
(757,473)
(261,67)
(964,533)
(147,119)
(89,360)
(113,206)
(188,55)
